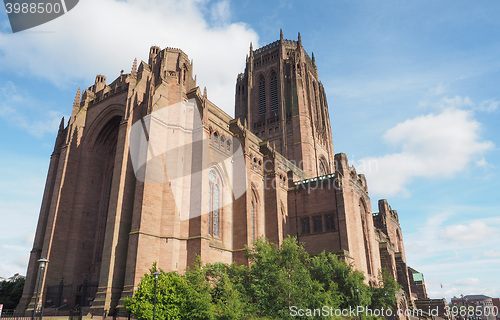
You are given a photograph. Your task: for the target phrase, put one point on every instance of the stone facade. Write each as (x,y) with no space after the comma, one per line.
(104,221)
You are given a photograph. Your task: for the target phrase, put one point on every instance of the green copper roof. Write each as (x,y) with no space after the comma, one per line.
(418,277)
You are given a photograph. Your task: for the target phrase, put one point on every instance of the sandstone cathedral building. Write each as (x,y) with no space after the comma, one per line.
(147,169)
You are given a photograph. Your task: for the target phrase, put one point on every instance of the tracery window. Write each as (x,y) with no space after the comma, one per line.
(274,92)
(253,221)
(214,197)
(322,167)
(262,96)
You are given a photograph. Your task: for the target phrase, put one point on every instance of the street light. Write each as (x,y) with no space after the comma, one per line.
(156,274)
(43,263)
(359,302)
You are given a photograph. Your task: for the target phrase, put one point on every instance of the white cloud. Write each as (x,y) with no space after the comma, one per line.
(21,192)
(431,146)
(488,105)
(28,238)
(220,12)
(441,238)
(481,162)
(17,262)
(104,37)
(468,282)
(20,109)
(438,90)
(466,103)
(469,233)
(492,254)
(451,251)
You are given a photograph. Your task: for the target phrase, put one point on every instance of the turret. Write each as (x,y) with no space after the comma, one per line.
(134,68)
(153,52)
(100,83)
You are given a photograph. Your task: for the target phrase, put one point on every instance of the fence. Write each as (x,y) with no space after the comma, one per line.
(73,314)
(11,314)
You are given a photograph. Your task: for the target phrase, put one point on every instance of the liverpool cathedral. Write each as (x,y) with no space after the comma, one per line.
(148,169)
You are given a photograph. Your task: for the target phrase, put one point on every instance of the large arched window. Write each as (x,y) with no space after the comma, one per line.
(322,167)
(262,96)
(254,214)
(274,92)
(214,198)
(363,212)
(253,221)
(399,239)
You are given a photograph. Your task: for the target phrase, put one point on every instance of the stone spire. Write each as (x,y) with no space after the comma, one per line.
(76,103)
(61,125)
(281,35)
(134,68)
(299,42)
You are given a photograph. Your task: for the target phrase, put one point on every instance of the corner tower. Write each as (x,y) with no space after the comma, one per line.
(282,100)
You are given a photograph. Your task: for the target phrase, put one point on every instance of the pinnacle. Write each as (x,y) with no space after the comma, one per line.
(134,66)
(61,125)
(77,98)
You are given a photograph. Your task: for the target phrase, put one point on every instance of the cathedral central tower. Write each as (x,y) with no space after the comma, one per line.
(282,100)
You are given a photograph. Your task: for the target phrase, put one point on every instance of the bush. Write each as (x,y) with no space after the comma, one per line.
(11,292)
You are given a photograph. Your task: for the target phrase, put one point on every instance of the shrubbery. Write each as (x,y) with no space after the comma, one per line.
(11,292)
(276,279)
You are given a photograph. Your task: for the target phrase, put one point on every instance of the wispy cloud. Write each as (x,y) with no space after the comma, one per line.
(21,110)
(488,106)
(468,234)
(453,249)
(468,282)
(492,254)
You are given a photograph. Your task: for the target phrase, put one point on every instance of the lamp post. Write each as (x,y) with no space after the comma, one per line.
(156,274)
(359,302)
(43,262)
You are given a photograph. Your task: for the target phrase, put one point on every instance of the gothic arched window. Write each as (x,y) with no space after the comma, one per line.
(214,198)
(184,74)
(262,96)
(274,92)
(363,212)
(322,167)
(253,221)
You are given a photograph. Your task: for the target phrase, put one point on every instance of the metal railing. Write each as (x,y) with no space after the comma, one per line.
(11,314)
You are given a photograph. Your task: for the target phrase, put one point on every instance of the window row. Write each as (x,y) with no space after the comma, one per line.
(222,142)
(320,223)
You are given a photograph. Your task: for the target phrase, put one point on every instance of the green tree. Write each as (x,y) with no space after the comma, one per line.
(11,292)
(176,299)
(229,302)
(280,279)
(385,295)
(345,285)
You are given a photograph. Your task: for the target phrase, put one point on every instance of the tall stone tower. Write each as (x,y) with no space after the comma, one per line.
(282,100)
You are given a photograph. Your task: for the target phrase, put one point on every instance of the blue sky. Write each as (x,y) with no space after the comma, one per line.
(412,87)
